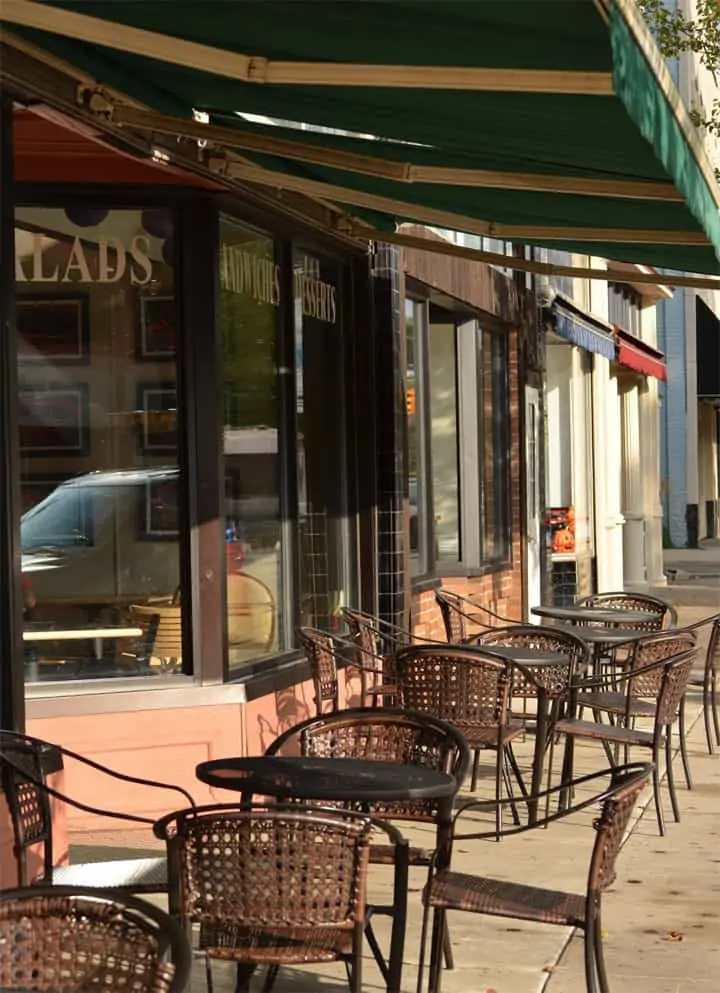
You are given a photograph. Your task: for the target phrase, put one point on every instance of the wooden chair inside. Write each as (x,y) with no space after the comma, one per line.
(163,634)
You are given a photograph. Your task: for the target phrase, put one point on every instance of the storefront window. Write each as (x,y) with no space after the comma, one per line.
(495,447)
(324,570)
(415,324)
(98,434)
(442,375)
(249,314)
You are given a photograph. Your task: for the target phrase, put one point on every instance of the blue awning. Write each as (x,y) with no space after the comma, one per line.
(583,332)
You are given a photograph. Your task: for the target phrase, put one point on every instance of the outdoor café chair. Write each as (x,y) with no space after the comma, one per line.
(675,673)
(708,679)
(280,884)
(458,891)
(23,775)
(324,653)
(374,640)
(387,735)
(74,938)
(638,700)
(457,610)
(665,613)
(471,692)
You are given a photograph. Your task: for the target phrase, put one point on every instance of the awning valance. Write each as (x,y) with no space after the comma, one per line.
(582,331)
(487,116)
(636,354)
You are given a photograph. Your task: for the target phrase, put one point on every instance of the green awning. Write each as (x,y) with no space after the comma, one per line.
(548,122)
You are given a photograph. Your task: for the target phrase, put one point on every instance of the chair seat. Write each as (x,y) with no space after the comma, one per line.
(134,875)
(479,895)
(385,855)
(606,732)
(274,947)
(616,703)
(487,737)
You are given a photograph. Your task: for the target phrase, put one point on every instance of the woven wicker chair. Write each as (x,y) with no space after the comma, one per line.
(283,885)
(708,679)
(457,610)
(23,764)
(665,612)
(639,699)
(389,736)
(321,655)
(372,653)
(448,890)
(469,691)
(63,939)
(674,673)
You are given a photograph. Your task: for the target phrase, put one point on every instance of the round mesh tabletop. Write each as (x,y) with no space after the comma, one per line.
(310,778)
(596,614)
(524,655)
(610,636)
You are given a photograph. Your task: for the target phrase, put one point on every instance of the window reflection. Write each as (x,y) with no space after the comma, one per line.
(98,411)
(320,410)
(248,316)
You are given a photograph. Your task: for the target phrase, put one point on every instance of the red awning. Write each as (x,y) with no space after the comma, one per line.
(636,354)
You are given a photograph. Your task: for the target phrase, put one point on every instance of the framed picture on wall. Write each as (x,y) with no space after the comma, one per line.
(157,404)
(156,335)
(160,509)
(53,329)
(54,421)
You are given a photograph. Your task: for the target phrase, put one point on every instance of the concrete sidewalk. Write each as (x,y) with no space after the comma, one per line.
(661,919)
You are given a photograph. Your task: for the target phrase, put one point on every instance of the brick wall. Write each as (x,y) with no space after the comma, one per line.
(502,589)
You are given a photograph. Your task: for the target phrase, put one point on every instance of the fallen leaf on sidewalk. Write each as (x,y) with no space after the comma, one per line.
(550,968)
(636,881)
(673,936)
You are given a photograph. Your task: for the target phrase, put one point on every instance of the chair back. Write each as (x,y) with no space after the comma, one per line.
(634,601)
(453,615)
(22,774)
(384,735)
(366,635)
(656,648)
(321,655)
(617,806)
(163,632)
(554,679)
(85,939)
(290,874)
(675,678)
(461,686)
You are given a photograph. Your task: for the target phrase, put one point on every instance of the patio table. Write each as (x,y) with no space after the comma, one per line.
(533,661)
(593,615)
(600,637)
(362,781)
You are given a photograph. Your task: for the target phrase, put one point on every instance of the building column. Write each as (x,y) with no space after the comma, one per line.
(633,510)
(607,442)
(650,434)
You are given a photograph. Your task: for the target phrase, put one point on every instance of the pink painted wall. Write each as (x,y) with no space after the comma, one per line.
(163,745)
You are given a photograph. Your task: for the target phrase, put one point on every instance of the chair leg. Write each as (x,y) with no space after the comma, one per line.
(509,792)
(208,975)
(447,949)
(714,705)
(600,956)
(423,945)
(683,746)
(656,792)
(515,769)
(707,716)
(565,798)
(590,958)
(499,769)
(436,943)
(270,978)
(244,974)
(475,769)
(670,776)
